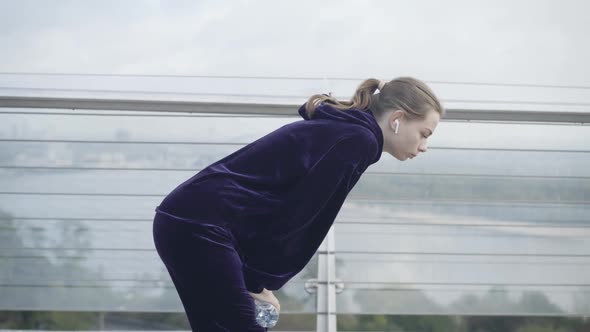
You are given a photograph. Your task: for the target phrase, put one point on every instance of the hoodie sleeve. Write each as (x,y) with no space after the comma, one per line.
(307,214)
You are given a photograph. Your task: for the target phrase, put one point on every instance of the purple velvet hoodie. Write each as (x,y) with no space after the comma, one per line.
(280,194)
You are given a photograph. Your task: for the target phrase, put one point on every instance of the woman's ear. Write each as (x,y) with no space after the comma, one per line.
(395,119)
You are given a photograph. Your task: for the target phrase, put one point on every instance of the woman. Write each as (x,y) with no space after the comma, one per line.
(248,223)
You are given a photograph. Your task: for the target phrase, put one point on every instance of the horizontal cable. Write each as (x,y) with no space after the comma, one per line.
(155,92)
(336,252)
(78,249)
(356,199)
(295,280)
(392,289)
(79,286)
(463,313)
(79,194)
(354,282)
(582,224)
(337,225)
(115,280)
(453,284)
(79,218)
(364,232)
(539,223)
(345,260)
(116,142)
(37,228)
(84,257)
(333,282)
(232,116)
(281,116)
(520,102)
(164,284)
(262,77)
(457,254)
(455,235)
(482,202)
(246,143)
(459,175)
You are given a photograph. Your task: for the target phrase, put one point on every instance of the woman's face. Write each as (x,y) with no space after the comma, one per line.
(412,135)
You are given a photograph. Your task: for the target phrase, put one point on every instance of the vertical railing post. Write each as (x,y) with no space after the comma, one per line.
(326,285)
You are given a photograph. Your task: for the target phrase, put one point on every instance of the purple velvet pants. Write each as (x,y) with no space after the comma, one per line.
(205,265)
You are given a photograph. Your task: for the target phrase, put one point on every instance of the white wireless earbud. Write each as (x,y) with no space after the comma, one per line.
(396,125)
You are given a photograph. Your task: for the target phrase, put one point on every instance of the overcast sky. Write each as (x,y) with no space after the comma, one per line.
(525,41)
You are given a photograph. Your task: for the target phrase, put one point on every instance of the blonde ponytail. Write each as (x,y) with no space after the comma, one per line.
(361,100)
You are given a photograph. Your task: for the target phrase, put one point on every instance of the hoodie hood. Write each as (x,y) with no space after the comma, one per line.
(363,118)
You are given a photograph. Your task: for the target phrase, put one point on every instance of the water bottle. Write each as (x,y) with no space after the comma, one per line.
(267,314)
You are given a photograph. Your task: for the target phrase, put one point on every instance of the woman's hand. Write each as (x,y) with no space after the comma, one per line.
(267,296)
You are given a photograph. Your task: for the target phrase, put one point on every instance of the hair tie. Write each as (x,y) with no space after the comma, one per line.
(381,85)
